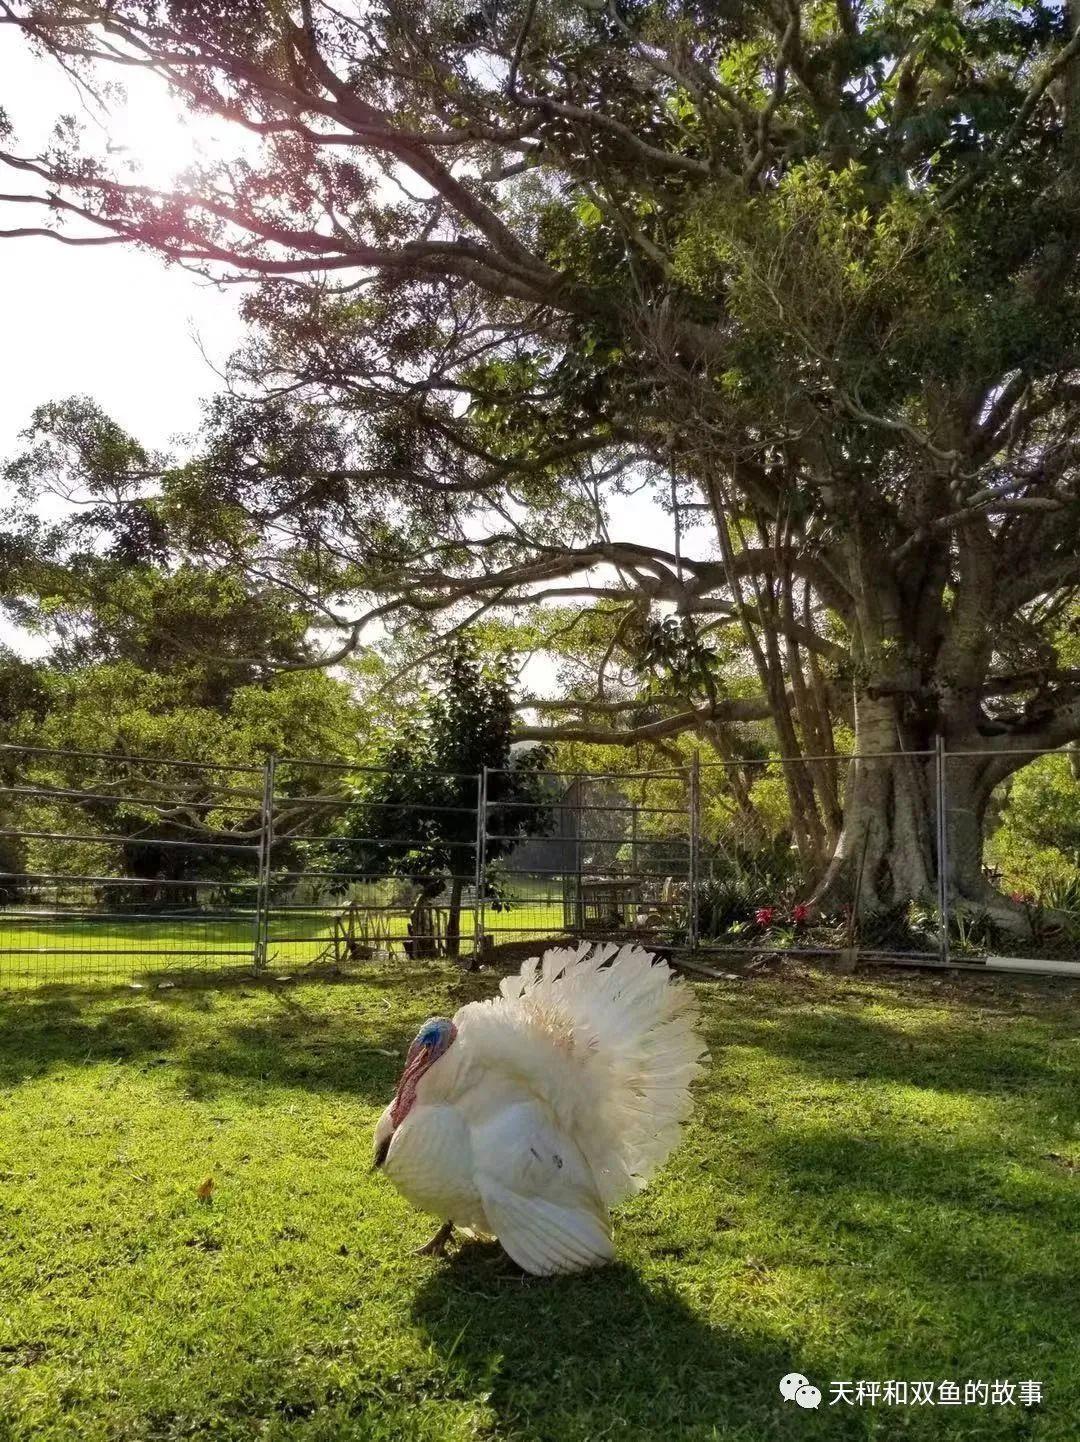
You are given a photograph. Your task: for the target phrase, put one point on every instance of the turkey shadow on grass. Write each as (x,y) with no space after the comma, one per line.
(603,1353)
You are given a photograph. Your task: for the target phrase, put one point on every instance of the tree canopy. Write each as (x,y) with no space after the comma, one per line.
(145,661)
(415,812)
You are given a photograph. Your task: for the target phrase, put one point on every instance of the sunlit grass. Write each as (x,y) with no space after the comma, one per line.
(881,1181)
(79,950)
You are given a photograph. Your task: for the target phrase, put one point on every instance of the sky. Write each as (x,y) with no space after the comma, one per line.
(112,322)
(141,338)
(109,321)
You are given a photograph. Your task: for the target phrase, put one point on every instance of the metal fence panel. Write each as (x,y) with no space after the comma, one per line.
(607,856)
(154,869)
(124,866)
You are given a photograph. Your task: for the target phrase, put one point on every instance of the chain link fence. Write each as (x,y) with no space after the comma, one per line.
(152,870)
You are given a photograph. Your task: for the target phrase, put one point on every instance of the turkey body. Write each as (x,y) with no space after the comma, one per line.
(557,1099)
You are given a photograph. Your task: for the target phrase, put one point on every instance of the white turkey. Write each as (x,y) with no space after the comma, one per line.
(528,1116)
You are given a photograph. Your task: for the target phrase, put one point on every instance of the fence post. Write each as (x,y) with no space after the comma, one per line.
(481,865)
(942,788)
(266,842)
(694,860)
(579,860)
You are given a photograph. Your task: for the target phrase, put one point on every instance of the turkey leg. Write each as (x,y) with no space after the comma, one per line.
(437,1246)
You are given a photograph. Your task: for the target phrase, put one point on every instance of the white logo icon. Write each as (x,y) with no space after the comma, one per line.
(799,1389)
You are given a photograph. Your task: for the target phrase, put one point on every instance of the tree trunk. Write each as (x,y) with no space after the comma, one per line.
(421,943)
(453,920)
(887,854)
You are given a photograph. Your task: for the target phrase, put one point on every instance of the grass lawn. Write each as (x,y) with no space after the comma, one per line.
(80,949)
(882,1181)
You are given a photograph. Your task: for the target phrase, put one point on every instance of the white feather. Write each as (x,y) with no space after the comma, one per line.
(560,1097)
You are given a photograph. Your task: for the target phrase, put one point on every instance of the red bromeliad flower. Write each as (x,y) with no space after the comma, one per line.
(800,913)
(764,915)
(1020,898)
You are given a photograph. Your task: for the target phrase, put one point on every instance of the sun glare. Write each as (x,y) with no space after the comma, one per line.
(153,134)
(142,132)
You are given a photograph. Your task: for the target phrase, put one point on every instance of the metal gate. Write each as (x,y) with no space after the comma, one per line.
(150,868)
(616,858)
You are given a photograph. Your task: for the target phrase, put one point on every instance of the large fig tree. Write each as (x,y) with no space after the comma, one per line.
(809,266)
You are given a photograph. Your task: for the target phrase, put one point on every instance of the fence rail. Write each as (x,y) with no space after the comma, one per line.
(143,867)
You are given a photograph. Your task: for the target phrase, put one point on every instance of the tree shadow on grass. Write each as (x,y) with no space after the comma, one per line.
(268,1054)
(604,1354)
(827,1169)
(961,1056)
(39,1034)
(898,1230)
(960,993)
(359,1053)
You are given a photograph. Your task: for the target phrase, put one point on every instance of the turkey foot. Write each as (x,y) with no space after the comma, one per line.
(437,1246)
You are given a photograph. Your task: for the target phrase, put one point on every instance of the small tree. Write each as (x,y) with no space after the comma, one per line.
(416,816)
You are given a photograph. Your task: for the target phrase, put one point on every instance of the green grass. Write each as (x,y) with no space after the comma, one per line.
(81,950)
(882,1180)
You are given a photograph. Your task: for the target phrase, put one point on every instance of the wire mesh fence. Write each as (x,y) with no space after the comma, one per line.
(156,869)
(822,854)
(601,856)
(112,864)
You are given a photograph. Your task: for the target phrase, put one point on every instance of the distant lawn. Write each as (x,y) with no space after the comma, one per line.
(882,1181)
(77,950)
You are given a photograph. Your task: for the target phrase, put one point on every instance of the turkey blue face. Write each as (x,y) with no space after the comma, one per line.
(432,1040)
(435,1035)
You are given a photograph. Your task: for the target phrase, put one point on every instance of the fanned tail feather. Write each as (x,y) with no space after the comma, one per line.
(630,1025)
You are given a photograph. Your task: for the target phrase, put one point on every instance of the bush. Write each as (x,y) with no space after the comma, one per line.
(741,885)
